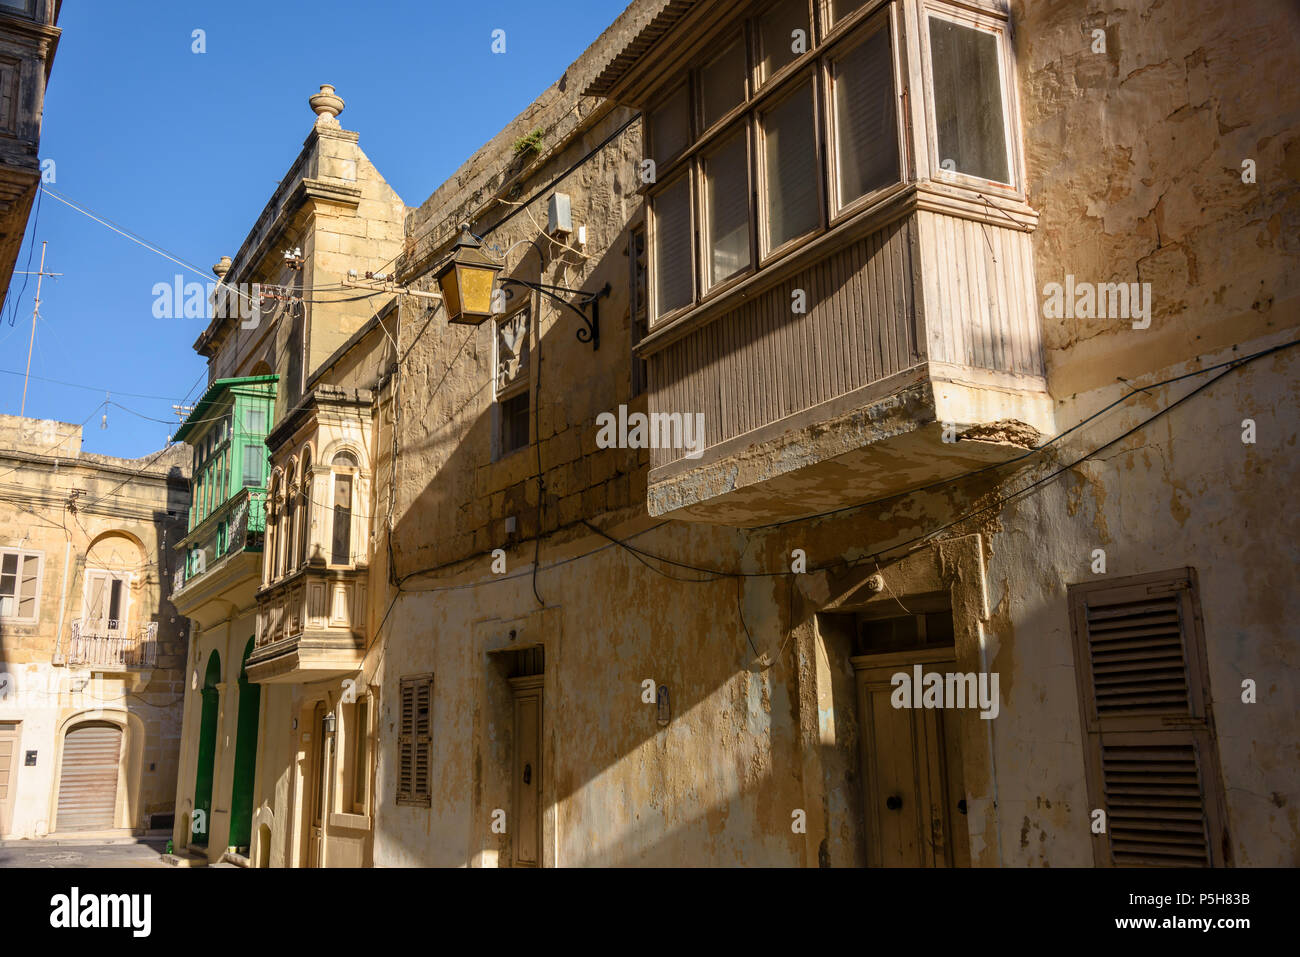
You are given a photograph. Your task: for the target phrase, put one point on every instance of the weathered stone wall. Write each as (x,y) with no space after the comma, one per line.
(78,509)
(1134,162)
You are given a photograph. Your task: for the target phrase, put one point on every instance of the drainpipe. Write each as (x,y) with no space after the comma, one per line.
(993,761)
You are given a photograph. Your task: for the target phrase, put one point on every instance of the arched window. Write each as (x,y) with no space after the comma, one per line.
(291,495)
(304,497)
(344,467)
(272,540)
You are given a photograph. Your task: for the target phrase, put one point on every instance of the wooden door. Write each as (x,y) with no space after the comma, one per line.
(9,750)
(911,758)
(88,779)
(316,807)
(527,770)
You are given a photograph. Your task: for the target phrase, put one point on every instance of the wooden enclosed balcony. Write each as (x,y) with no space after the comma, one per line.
(310,626)
(918,358)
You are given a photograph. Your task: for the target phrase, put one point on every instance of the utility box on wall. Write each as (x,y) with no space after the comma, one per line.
(559,215)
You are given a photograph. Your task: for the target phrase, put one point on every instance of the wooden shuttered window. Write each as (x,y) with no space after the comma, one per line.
(1151,755)
(19,584)
(415,740)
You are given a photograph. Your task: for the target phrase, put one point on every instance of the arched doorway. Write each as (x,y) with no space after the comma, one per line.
(92,753)
(241,791)
(200,824)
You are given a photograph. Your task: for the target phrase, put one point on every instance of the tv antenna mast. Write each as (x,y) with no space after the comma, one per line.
(36,308)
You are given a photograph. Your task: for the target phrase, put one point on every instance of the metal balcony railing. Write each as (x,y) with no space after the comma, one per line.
(104,643)
(236,526)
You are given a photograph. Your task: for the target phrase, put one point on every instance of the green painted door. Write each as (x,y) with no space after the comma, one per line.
(201,823)
(241,792)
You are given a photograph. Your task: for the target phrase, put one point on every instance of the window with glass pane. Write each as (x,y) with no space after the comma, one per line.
(674,282)
(255,421)
(726,210)
(968,100)
(842,8)
(670,126)
(514,423)
(783,35)
(722,83)
(252,465)
(8,584)
(790,162)
(866,131)
(341,553)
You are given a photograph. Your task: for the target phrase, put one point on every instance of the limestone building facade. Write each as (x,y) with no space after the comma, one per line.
(988,311)
(92,651)
(279,541)
(866,452)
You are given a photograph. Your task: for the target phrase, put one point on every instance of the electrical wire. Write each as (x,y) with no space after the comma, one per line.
(27,273)
(645,557)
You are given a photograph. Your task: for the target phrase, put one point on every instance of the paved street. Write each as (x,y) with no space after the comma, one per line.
(34,854)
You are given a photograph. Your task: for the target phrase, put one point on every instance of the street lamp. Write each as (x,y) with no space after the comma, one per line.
(466,281)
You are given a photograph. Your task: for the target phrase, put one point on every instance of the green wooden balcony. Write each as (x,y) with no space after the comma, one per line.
(237,525)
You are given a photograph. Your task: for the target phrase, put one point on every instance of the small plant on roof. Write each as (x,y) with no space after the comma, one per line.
(531,143)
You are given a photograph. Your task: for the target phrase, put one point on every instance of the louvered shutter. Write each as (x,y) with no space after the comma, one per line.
(415,740)
(1151,755)
(27,586)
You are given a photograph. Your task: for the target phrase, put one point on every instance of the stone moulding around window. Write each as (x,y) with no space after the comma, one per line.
(898,201)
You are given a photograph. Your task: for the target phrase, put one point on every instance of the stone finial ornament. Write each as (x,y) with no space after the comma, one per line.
(222,267)
(327,105)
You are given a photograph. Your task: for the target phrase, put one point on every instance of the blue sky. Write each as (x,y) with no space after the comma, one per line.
(184,150)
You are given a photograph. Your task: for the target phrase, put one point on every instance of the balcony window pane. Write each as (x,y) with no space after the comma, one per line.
(726,190)
(255,421)
(866,132)
(790,158)
(341,552)
(115,605)
(674,282)
(670,126)
(722,83)
(968,100)
(778,35)
(842,8)
(252,465)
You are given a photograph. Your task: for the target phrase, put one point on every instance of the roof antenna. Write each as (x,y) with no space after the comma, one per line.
(36,308)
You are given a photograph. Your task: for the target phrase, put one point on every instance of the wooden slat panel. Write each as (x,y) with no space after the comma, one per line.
(1154,803)
(1139,654)
(761,361)
(979,293)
